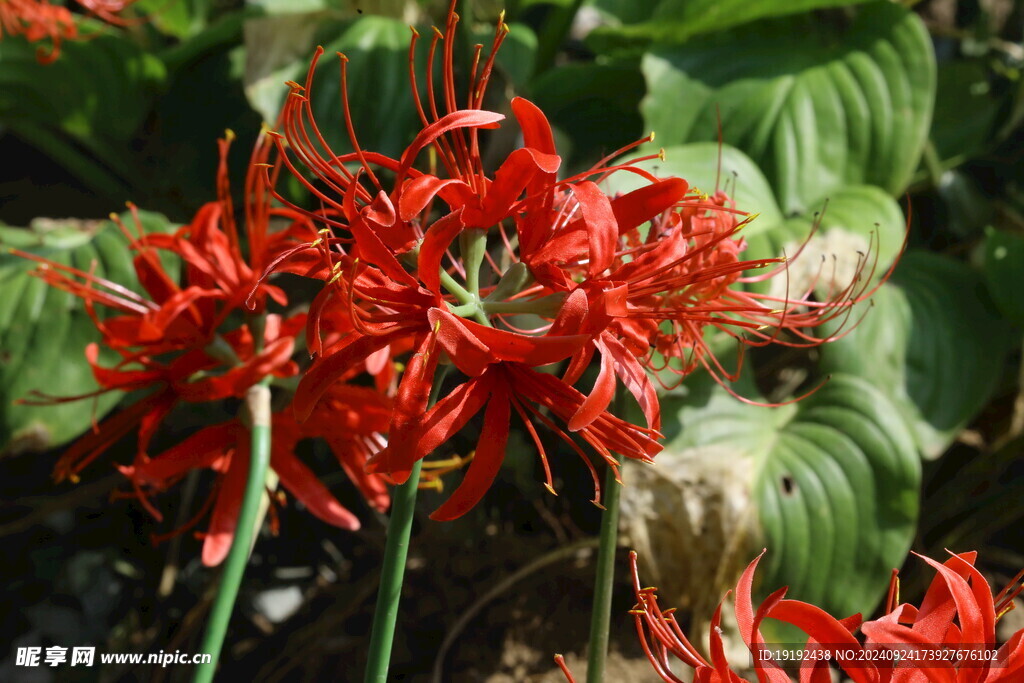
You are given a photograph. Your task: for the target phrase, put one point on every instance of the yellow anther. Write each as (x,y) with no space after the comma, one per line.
(415,33)
(74,478)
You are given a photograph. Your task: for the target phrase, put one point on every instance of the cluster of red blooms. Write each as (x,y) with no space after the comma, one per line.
(574,275)
(950,638)
(187,344)
(38,20)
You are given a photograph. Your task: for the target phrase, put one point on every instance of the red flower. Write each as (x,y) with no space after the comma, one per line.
(949,639)
(351,425)
(958,614)
(38,20)
(183,343)
(630,278)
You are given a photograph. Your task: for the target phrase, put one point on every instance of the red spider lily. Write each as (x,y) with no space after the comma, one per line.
(660,635)
(958,615)
(352,421)
(38,20)
(630,278)
(174,343)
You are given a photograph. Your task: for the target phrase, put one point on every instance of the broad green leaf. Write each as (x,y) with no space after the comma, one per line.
(673,21)
(44,331)
(1004,268)
(594,104)
(383,112)
(932,341)
(816,107)
(97,92)
(834,479)
(965,109)
(178,18)
(627,11)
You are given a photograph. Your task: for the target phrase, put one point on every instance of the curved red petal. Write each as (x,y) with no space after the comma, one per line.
(490,453)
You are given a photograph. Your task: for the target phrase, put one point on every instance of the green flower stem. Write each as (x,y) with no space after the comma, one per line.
(392,573)
(600,616)
(258,404)
(455,289)
(474,248)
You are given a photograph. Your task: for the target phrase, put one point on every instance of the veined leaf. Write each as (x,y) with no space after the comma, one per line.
(44,331)
(383,112)
(1004,263)
(673,21)
(816,107)
(99,88)
(834,480)
(933,342)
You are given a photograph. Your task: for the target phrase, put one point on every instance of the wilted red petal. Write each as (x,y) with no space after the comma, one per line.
(197,451)
(465,118)
(501,345)
(515,174)
(418,192)
(236,381)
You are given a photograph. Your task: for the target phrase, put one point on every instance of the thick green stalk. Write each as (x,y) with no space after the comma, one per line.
(600,615)
(392,573)
(258,405)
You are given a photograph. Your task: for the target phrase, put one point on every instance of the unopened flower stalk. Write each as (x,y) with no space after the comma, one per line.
(258,405)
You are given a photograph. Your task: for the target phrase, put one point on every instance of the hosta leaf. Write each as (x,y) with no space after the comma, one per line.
(816,107)
(933,342)
(1004,264)
(44,331)
(834,480)
(966,109)
(594,104)
(98,90)
(381,104)
(672,21)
